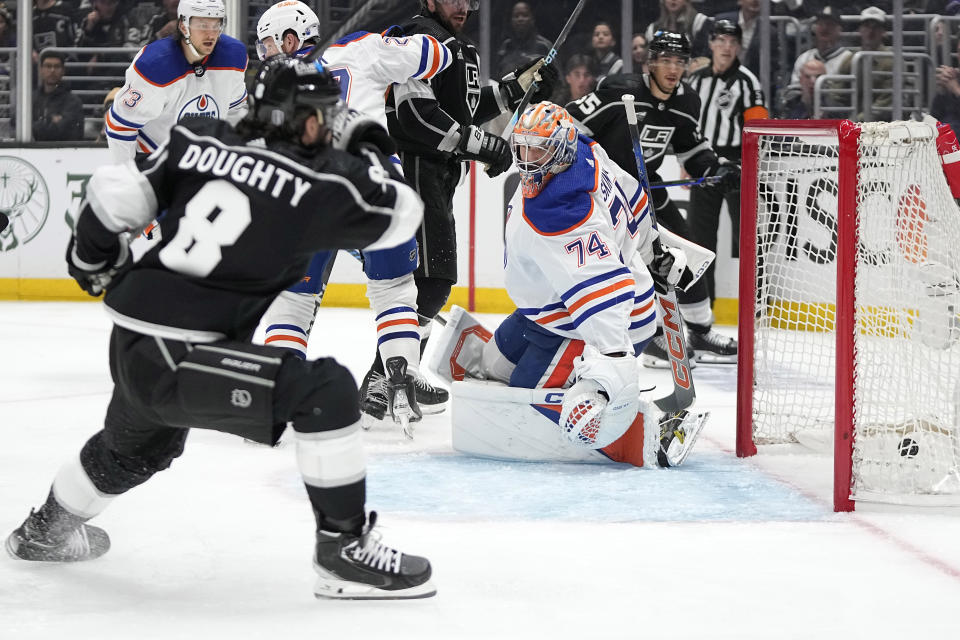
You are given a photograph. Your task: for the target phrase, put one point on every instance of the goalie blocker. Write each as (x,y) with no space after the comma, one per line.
(493,420)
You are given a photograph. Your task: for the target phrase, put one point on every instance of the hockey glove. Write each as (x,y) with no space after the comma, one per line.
(351,129)
(669,268)
(603,403)
(95,278)
(515,84)
(728,175)
(477,144)
(4,221)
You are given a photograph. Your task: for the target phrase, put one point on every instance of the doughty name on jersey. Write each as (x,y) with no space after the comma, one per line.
(253,172)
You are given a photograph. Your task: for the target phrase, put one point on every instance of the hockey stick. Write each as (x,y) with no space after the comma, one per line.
(683,391)
(548,59)
(690,182)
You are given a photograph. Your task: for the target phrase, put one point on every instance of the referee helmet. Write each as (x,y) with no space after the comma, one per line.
(727,28)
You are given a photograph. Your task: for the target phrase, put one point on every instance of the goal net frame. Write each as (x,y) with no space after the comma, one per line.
(844,135)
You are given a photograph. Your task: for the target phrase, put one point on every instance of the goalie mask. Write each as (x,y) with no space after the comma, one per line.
(286,91)
(281,18)
(544,143)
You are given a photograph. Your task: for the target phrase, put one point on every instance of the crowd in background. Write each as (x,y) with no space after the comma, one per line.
(68,109)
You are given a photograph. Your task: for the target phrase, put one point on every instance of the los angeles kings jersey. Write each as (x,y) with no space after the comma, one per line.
(366,65)
(161,88)
(576,254)
(240,224)
(673,123)
(425,116)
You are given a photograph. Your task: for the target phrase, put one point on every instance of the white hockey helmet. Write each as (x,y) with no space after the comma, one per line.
(289,15)
(201,9)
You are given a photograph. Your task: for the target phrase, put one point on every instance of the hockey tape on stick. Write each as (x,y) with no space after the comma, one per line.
(548,59)
(684,393)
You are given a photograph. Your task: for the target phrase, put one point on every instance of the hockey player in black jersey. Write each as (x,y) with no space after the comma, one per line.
(435,125)
(669,113)
(241,222)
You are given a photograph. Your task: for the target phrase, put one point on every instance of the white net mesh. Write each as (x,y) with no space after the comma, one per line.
(907,339)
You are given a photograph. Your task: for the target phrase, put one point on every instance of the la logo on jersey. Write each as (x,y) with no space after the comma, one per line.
(203,105)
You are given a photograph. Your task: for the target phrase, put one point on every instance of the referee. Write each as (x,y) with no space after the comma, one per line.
(729,96)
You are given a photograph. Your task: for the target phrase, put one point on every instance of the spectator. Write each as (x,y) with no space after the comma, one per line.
(52,26)
(681,17)
(800,105)
(746,19)
(946,104)
(640,53)
(872,29)
(57,113)
(580,79)
(605,59)
(8,36)
(826,49)
(524,43)
(104,26)
(162,24)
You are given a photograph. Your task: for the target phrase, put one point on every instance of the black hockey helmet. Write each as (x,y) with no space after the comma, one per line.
(669,43)
(285,91)
(727,28)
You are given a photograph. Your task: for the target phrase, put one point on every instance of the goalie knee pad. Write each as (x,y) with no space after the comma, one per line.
(603,403)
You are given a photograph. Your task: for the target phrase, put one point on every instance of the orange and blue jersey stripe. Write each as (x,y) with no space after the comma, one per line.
(398,323)
(433,58)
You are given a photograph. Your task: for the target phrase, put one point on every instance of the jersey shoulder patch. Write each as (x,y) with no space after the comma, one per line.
(565,203)
(162,62)
(229,53)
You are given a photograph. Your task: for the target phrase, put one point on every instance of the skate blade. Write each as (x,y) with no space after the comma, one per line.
(692,425)
(433,409)
(334,589)
(368,421)
(713,358)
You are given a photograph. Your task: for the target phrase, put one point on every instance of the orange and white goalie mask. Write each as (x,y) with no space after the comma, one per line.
(544,143)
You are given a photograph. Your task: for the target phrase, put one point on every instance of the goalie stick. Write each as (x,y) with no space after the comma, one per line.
(683,391)
(548,59)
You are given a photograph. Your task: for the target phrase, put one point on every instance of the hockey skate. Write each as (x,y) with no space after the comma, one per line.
(655,354)
(40,540)
(360,567)
(401,395)
(373,399)
(430,399)
(711,347)
(678,433)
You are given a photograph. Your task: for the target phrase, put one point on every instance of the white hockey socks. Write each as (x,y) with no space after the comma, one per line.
(75,492)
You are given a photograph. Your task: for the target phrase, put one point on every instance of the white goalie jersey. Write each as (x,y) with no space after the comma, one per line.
(161,88)
(366,64)
(576,254)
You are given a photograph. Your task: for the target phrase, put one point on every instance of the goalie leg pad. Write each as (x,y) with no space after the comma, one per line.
(458,347)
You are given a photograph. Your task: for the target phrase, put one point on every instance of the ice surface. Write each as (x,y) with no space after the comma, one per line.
(219,546)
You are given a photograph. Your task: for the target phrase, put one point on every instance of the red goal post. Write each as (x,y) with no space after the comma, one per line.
(849,293)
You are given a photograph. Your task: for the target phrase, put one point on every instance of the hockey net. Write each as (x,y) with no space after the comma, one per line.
(849,295)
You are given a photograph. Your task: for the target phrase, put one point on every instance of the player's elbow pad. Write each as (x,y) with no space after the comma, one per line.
(405,219)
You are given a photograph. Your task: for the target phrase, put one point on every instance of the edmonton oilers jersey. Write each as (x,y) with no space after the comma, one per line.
(161,89)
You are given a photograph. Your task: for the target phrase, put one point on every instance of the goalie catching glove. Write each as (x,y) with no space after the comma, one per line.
(352,129)
(477,144)
(603,403)
(669,269)
(515,84)
(94,278)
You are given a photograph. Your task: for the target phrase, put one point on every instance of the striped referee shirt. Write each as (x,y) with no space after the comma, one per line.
(726,100)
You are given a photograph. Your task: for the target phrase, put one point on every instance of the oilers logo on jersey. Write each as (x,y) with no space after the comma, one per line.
(204,106)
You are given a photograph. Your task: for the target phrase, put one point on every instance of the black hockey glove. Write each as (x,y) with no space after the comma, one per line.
(4,221)
(669,269)
(477,144)
(351,129)
(515,84)
(95,278)
(728,176)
